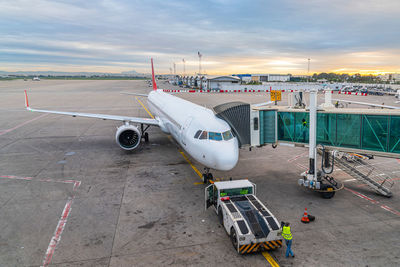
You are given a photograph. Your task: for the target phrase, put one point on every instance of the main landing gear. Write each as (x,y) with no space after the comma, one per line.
(145,135)
(207,176)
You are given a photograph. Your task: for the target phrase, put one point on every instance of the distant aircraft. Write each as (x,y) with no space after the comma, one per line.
(206,138)
(35,79)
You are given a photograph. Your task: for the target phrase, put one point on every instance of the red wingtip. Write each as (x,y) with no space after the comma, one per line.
(154,78)
(26,100)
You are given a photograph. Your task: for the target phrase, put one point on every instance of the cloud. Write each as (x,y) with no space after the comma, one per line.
(232,35)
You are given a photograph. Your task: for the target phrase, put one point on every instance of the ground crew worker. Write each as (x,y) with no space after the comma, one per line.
(304,125)
(287,235)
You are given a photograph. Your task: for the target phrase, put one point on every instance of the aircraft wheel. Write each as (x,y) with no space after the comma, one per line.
(146,137)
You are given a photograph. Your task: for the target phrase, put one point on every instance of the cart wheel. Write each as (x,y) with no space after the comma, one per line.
(234,238)
(220,216)
(329,194)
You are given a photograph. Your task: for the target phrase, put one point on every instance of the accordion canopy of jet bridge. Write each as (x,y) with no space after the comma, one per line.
(372,131)
(237,115)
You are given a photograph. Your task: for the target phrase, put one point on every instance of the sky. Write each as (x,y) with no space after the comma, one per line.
(236,36)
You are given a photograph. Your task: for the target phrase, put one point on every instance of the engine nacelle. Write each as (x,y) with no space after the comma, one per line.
(128,137)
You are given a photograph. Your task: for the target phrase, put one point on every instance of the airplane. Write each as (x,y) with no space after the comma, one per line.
(205,137)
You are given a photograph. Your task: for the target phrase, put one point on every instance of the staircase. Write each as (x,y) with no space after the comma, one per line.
(367,174)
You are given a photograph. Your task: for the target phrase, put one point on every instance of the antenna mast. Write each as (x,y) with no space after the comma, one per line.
(200,55)
(184,67)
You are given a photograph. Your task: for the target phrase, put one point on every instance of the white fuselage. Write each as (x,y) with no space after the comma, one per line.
(184,120)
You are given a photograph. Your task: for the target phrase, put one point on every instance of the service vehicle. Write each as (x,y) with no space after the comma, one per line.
(248,222)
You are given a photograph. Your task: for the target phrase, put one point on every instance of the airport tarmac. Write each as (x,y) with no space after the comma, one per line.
(69,196)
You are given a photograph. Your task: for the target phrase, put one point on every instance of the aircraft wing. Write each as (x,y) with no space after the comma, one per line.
(93,115)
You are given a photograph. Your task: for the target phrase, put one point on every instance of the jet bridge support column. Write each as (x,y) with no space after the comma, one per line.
(313,136)
(312,178)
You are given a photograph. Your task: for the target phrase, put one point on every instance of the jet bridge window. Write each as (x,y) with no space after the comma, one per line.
(215,136)
(227,135)
(203,135)
(197,134)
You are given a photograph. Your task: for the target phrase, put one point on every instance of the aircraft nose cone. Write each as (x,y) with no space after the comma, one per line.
(228,159)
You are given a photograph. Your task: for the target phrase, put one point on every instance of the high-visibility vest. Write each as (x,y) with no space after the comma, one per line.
(286,233)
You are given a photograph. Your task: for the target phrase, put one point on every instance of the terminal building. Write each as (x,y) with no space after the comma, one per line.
(270,77)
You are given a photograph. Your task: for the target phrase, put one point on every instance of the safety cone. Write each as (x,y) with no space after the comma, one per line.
(305,218)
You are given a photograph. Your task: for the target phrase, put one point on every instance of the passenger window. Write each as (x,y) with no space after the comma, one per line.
(197,134)
(227,135)
(215,136)
(203,135)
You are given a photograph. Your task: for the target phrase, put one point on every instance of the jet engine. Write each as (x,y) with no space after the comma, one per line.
(128,137)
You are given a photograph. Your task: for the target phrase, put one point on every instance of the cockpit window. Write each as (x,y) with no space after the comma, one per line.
(203,135)
(215,136)
(197,134)
(227,135)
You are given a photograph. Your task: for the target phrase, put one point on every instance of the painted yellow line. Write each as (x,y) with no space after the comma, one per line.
(190,163)
(180,151)
(270,259)
(148,112)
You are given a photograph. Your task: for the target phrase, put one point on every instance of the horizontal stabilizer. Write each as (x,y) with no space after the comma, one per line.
(135,94)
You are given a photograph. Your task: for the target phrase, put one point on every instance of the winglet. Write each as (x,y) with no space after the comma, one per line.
(154,78)
(26,100)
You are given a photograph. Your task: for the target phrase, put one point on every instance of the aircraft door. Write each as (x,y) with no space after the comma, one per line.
(184,130)
(209,195)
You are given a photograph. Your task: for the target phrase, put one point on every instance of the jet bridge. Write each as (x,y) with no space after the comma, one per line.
(368,131)
(365,131)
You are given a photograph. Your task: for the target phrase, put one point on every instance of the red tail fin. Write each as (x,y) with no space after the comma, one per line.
(154,78)
(26,100)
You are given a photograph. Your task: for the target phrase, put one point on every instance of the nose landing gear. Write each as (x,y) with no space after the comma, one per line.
(207,176)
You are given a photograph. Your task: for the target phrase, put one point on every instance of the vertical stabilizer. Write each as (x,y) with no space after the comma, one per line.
(154,78)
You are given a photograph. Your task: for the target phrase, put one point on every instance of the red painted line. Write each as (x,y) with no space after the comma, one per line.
(390,210)
(398,160)
(76,185)
(58,232)
(301,166)
(361,195)
(56,238)
(394,179)
(22,124)
(387,208)
(298,156)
